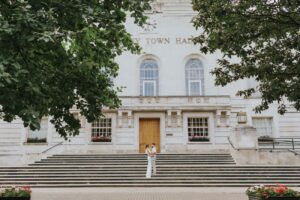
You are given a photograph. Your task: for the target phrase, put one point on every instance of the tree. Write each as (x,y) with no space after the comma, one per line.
(56,55)
(264,35)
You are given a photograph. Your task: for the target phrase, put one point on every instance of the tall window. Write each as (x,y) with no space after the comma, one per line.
(263,126)
(38,136)
(149,78)
(194,77)
(198,129)
(101,130)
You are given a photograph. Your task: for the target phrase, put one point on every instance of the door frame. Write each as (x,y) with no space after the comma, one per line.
(157,126)
(153,115)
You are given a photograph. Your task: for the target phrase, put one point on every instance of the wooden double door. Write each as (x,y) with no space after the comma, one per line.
(149,133)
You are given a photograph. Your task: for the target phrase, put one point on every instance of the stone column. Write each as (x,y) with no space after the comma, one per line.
(228,114)
(129,119)
(178,118)
(169,118)
(120,118)
(218,115)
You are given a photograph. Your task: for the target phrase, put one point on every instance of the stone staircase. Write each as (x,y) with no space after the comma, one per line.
(128,170)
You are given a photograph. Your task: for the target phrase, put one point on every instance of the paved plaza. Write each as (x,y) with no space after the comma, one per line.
(139,194)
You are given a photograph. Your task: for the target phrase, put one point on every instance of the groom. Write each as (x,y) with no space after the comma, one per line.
(153,158)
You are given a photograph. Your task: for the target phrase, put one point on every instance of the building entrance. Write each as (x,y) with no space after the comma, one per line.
(149,132)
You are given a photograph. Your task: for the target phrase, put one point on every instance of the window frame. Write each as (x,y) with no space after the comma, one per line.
(264,117)
(202,125)
(144,87)
(190,88)
(43,140)
(102,127)
(199,77)
(211,127)
(149,67)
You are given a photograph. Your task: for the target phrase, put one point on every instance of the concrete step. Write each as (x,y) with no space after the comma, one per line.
(135,159)
(145,157)
(109,179)
(142,158)
(139,160)
(142,167)
(202,168)
(132,160)
(120,164)
(139,155)
(147,181)
(128,170)
(63,175)
(137,173)
(99,171)
(70,185)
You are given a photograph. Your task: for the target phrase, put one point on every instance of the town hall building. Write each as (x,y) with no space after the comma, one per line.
(168,98)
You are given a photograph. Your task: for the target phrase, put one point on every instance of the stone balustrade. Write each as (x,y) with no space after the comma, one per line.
(176,102)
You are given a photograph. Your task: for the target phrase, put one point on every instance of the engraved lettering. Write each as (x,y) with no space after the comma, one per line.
(156,41)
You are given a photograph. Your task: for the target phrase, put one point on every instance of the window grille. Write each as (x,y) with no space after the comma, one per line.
(102,130)
(198,129)
(194,76)
(149,78)
(263,125)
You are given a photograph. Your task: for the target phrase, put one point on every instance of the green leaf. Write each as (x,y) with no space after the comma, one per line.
(40,76)
(264,36)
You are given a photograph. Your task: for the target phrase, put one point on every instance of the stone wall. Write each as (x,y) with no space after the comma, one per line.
(255,157)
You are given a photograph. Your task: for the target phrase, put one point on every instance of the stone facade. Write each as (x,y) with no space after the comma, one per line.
(173,98)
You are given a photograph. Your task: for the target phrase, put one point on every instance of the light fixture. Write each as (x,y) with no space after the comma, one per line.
(242,117)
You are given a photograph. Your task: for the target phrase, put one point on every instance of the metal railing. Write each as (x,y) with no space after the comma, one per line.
(272,144)
(230,142)
(295,152)
(52,147)
(280,144)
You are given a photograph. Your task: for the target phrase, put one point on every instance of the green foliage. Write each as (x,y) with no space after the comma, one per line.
(264,35)
(36,140)
(265,192)
(199,139)
(15,191)
(56,55)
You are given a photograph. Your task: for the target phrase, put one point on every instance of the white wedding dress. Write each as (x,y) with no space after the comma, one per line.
(149,167)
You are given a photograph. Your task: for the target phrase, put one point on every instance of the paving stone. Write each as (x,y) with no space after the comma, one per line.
(139,194)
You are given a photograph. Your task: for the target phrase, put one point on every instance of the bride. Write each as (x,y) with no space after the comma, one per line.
(149,155)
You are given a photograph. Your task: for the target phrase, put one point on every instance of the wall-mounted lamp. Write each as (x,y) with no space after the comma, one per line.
(242,117)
